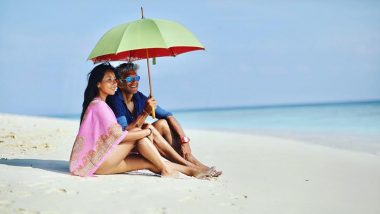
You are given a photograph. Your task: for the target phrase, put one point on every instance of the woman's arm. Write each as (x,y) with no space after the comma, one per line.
(136,134)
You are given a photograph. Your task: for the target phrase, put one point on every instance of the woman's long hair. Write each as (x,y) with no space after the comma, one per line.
(94,77)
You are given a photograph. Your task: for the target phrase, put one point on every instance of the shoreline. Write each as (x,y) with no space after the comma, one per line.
(339,141)
(335,142)
(261,174)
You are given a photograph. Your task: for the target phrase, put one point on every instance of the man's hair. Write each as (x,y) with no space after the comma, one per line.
(124,67)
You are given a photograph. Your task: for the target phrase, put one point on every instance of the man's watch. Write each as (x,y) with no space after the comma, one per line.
(185,139)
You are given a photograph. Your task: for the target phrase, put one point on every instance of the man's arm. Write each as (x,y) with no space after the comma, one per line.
(174,124)
(140,120)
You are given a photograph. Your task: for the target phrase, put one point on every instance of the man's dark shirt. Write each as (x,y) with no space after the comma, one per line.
(122,113)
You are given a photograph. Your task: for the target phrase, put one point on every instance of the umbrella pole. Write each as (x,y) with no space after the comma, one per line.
(150,83)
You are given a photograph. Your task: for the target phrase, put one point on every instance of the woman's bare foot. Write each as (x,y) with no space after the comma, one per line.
(210,171)
(206,174)
(170,173)
(215,173)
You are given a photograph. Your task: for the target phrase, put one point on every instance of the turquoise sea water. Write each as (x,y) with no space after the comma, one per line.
(353,126)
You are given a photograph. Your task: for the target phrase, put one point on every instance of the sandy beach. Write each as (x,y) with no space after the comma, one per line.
(261,175)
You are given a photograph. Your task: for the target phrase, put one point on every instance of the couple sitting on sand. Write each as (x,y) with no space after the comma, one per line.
(109,144)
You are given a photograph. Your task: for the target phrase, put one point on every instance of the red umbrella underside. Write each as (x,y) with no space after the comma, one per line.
(138,54)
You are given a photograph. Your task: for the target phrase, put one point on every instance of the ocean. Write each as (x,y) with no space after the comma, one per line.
(352,126)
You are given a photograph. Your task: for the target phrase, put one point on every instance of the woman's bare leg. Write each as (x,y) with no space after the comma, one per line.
(132,163)
(191,171)
(118,162)
(137,162)
(116,156)
(150,152)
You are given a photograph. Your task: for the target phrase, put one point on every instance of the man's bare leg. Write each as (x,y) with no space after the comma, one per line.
(166,150)
(173,139)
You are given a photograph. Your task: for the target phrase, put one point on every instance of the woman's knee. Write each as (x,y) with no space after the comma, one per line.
(144,140)
(135,129)
(129,142)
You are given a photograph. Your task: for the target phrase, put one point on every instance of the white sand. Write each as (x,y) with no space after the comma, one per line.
(261,175)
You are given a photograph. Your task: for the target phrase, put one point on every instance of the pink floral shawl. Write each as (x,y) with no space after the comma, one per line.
(98,134)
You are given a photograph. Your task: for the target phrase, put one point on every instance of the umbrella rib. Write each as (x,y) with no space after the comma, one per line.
(118,46)
(166,45)
(172,52)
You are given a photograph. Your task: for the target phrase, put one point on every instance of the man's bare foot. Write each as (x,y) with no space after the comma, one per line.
(197,163)
(201,168)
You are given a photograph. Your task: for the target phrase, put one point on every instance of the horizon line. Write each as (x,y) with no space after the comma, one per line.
(277,105)
(227,108)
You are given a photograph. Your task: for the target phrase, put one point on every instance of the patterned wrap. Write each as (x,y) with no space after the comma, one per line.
(98,134)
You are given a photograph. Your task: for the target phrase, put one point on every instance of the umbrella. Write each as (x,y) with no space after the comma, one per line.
(144,39)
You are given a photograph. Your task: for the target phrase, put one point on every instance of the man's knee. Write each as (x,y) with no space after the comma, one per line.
(150,126)
(161,125)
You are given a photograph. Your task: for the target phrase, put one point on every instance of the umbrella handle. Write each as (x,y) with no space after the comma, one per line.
(150,83)
(154,113)
(153,110)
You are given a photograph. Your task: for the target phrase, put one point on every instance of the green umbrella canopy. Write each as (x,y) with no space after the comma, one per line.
(144,38)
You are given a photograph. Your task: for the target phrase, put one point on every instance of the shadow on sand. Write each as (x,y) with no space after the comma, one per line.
(59,166)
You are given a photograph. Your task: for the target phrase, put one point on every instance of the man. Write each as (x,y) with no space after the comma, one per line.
(132,107)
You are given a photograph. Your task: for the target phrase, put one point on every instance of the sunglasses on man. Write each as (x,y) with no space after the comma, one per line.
(130,79)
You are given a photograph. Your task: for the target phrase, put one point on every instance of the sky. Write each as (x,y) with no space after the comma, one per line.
(262,52)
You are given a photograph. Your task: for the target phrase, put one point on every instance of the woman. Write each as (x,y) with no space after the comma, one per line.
(101,147)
